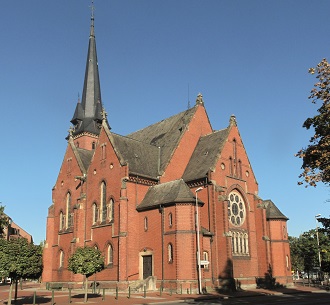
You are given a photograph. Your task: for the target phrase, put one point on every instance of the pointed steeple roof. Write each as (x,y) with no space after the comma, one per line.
(87,116)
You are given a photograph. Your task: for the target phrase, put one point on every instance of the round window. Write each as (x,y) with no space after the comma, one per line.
(236,209)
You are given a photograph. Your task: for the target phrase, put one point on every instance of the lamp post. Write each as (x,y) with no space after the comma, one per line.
(317,238)
(198,245)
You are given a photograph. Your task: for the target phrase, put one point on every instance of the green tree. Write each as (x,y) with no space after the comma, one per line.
(19,259)
(316,156)
(3,220)
(296,254)
(86,261)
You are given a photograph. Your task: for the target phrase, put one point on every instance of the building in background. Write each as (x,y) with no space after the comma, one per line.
(153,199)
(13,230)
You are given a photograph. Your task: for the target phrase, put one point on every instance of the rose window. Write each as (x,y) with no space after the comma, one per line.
(236,209)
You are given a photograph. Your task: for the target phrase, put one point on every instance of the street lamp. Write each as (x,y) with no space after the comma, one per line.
(317,238)
(198,244)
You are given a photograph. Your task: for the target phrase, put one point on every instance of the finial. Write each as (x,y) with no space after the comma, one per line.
(232,120)
(92,9)
(71,130)
(104,114)
(199,99)
(78,97)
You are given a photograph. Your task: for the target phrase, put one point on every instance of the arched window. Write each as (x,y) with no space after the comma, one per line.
(111,210)
(93,145)
(170,220)
(95,213)
(62,221)
(240,243)
(231,166)
(145,223)
(68,210)
(61,262)
(170,253)
(103,208)
(110,255)
(239,169)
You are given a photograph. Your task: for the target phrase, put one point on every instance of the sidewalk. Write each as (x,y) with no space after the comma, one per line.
(43,296)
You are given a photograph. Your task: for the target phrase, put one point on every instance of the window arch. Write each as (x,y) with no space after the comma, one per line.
(95,213)
(170,220)
(109,255)
(61,259)
(146,223)
(68,210)
(111,210)
(103,207)
(236,208)
(62,221)
(170,253)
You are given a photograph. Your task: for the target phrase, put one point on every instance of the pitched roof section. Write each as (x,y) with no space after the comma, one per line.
(167,193)
(272,211)
(87,116)
(165,134)
(205,154)
(142,158)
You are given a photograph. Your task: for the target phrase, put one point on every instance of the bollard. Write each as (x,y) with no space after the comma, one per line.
(160,290)
(116,297)
(190,289)
(34,297)
(53,297)
(103,295)
(129,292)
(70,295)
(144,291)
(21,283)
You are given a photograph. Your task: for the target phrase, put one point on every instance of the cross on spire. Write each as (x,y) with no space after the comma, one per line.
(92,8)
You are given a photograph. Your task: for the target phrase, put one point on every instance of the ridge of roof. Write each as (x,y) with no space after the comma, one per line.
(206,154)
(165,134)
(272,211)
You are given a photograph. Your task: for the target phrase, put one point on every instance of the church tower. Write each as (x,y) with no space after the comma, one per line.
(87,118)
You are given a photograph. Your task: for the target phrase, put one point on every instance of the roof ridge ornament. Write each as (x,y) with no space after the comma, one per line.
(199,100)
(232,120)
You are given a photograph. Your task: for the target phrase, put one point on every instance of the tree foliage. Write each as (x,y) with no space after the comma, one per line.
(304,251)
(86,261)
(20,259)
(316,156)
(3,220)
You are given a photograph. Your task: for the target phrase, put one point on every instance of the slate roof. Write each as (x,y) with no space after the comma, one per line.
(205,154)
(87,116)
(272,211)
(85,156)
(166,134)
(141,157)
(168,193)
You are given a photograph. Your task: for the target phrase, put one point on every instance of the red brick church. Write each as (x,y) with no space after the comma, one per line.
(174,204)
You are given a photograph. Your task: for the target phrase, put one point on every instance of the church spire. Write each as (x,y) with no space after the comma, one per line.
(87,116)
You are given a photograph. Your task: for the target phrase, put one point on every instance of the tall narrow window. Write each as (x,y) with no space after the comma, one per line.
(231,165)
(61,221)
(239,169)
(93,145)
(103,208)
(145,223)
(111,210)
(235,157)
(103,151)
(170,253)
(95,213)
(61,262)
(170,220)
(110,255)
(68,210)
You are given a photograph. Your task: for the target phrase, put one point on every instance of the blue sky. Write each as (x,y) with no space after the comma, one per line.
(248,58)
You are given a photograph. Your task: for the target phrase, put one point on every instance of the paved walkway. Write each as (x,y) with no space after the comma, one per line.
(43,296)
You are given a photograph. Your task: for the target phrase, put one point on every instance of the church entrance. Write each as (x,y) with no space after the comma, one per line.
(147,266)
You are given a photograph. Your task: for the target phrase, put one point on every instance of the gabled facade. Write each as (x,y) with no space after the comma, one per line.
(135,198)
